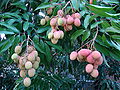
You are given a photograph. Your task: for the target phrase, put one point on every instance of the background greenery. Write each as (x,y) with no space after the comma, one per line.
(20,18)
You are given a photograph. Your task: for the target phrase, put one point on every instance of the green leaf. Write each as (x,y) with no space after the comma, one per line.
(14,29)
(76,34)
(86,21)
(55,46)
(20,5)
(111,1)
(115,36)
(113,30)
(105,24)
(25,26)
(75,4)
(85,35)
(95,24)
(5,31)
(43,29)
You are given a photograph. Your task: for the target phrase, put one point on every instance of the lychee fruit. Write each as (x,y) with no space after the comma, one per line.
(99,61)
(60,21)
(42,21)
(54,41)
(31,56)
(64,21)
(27,82)
(90,59)
(61,34)
(53,21)
(85,52)
(77,15)
(57,35)
(47,18)
(28,65)
(70,20)
(73,55)
(89,68)
(30,49)
(36,65)
(96,54)
(77,22)
(14,56)
(50,35)
(22,61)
(49,11)
(94,73)
(18,49)
(21,67)
(80,56)
(31,72)
(35,53)
(38,59)
(22,73)
(60,13)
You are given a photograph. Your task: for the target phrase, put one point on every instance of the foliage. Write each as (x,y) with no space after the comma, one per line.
(20,18)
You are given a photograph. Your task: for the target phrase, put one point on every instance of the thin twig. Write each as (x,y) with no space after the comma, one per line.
(66,5)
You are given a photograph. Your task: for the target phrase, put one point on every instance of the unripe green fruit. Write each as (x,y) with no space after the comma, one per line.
(36,65)
(60,21)
(54,41)
(18,49)
(27,82)
(14,56)
(31,72)
(50,35)
(42,22)
(38,59)
(28,65)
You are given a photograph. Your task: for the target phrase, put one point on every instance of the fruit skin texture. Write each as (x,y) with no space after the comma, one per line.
(70,20)
(14,56)
(99,61)
(28,65)
(90,59)
(89,68)
(57,35)
(49,11)
(42,21)
(80,57)
(77,15)
(60,21)
(50,35)
(53,21)
(77,22)
(31,72)
(60,13)
(54,41)
(96,54)
(85,52)
(22,73)
(64,21)
(31,56)
(94,73)
(73,55)
(38,59)
(35,53)
(30,49)
(36,65)
(21,67)
(61,34)
(22,61)
(27,82)
(47,18)
(18,49)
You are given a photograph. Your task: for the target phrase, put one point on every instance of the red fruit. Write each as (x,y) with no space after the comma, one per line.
(89,68)
(53,21)
(99,61)
(73,55)
(94,73)
(80,56)
(85,52)
(60,13)
(91,1)
(96,54)
(70,20)
(77,22)
(77,15)
(90,59)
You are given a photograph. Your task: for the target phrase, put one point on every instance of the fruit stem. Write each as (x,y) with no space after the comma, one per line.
(66,5)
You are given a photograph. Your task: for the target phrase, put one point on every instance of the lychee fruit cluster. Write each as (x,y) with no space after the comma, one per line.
(44,20)
(27,61)
(94,58)
(65,21)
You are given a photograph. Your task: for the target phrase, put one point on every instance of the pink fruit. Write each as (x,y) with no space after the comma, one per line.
(85,52)
(80,56)
(77,15)
(90,59)
(77,22)
(60,13)
(94,73)
(99,61)
(96,54)
(89,68)
(70,20)
(64,21)
(73,55)
(73,15)
(57,35)
(53,21)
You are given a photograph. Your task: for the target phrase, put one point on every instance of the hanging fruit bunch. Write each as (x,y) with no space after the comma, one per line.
(27,61)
